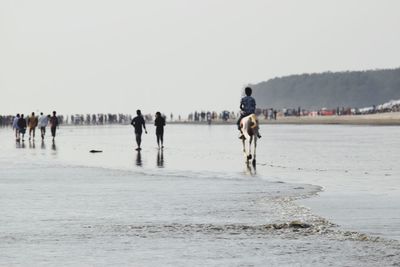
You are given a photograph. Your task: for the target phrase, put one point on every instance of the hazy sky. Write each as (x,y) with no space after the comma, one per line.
(179,55)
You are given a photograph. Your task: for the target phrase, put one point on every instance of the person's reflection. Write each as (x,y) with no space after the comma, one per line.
(32,144)
(43,145)
(160,158)
(18,144)
(139,159)
(53,146)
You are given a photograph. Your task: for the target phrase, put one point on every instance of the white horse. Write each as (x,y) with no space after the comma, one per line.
(249,128)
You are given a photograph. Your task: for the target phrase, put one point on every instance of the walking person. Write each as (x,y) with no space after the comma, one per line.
(15,127)
(43,121)
(22,126)
(138,123)
(53,125)
(32,123)
(159,122)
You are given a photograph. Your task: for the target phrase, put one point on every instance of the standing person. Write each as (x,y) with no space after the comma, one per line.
(53,124)
(159,122)
(15,127)
(32,123)
(22,126)
(138,122)
(43,121)
(248,107)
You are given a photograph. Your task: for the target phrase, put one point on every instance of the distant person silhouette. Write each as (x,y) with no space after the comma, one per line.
(53,124)
(15,127)
(138,123)
(32,123)
(247,107)
(22,126)
(43,121)
(159,122)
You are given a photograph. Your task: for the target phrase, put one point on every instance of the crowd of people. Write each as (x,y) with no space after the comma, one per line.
(210,116)
(98,119)
(23,125)
(272,114)
(20,124)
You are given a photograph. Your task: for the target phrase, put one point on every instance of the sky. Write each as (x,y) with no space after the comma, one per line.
(94,56)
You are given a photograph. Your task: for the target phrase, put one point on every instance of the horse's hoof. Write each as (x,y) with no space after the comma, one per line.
(249,157)
(254,162)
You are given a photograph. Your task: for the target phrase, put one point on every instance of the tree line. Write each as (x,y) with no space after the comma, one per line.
(354,89)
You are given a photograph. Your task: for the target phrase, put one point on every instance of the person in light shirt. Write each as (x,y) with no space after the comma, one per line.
(15,126)
(43,121)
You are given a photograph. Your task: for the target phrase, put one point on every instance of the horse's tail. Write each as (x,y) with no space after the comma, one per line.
(254,121)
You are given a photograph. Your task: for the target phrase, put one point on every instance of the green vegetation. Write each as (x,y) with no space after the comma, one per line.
(329,89)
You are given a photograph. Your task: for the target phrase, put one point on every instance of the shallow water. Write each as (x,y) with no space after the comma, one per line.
(356,165)
(196,202)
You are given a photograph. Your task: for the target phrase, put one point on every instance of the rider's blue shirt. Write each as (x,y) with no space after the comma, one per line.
(248,105)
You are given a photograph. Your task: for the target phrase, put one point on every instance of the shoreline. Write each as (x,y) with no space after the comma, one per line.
(379,119)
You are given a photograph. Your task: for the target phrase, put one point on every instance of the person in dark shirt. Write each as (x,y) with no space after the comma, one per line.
(138,123)
(248,107)
(53,124)
(159,122)
(22,126)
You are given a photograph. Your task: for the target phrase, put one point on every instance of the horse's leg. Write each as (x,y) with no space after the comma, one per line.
(255,148)
(244,149)
(249,154)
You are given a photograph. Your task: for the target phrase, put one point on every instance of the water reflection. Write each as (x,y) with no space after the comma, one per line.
(160,158)
(43,145)
(251,169)
(20,144)
(139,159)
(53,146)
(32,144)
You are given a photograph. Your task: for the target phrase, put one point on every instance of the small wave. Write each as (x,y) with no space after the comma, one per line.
(291,230)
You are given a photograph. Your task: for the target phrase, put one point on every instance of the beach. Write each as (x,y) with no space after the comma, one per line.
(385,119)
(388,118)
(319,195)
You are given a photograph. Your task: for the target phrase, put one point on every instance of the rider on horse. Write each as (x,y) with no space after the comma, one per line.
(248,107)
